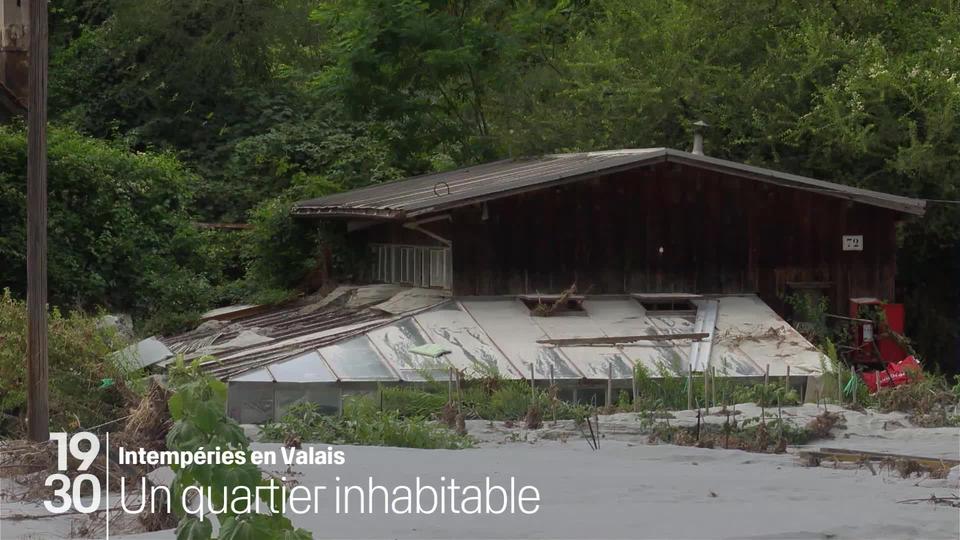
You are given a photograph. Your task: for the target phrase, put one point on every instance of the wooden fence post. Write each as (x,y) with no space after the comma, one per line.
(713,384)
(609,385)
(38,404)
(853,389)
(839,386)
(533,385)
(706,389)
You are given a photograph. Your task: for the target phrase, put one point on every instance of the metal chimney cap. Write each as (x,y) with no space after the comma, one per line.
(698,137)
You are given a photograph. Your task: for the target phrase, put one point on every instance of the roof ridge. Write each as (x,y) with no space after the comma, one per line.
(439,191)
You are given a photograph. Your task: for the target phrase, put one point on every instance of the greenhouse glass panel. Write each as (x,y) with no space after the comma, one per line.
(250,402)
(303,369)
(325,395)
(595,362)
(471,350)
(258,375)
(356,360)
(394,343)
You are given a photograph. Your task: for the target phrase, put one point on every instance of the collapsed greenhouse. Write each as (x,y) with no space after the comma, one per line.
(357,338)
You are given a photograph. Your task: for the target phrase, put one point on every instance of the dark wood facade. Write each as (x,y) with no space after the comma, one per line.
(665,228)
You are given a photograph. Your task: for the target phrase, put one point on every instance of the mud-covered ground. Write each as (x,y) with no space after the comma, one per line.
(632,489)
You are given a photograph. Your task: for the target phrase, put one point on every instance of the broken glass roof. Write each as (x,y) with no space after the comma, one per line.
(356,359)
(499,336)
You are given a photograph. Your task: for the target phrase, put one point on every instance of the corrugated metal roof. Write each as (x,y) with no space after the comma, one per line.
(442,191)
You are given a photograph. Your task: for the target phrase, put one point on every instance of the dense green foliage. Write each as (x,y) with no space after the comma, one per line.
(77,368)
(119,226)
(362,423)
(197,408)
(275,100)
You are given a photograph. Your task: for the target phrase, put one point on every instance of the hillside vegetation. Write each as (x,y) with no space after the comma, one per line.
(226,111)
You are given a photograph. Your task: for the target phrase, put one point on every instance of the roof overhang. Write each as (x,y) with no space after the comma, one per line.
(439,192)
(875,198)
(347,212)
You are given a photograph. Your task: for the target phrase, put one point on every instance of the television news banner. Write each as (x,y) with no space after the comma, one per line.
(81,492)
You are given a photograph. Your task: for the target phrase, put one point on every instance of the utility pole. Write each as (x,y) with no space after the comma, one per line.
(38,407)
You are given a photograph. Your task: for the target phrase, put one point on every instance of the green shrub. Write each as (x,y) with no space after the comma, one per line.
(929,400)
(77,367)
(665,392)
(508,402)
(412,401)
(362,423)
(197,407)
(120,234)
(769,395)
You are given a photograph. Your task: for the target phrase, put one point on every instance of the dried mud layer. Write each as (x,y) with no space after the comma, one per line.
(630,487)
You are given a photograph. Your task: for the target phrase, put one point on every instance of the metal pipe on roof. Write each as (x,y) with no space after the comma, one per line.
(698,137)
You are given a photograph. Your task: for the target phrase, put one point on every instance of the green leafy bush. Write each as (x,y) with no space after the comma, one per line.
(666,391)
(487,398)
(197,406)
(77,366)
(766,395)
(929,400)
(412,401)
(362,423)
(120,233)
(509,400)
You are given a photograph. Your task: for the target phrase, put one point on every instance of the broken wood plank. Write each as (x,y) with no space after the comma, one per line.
(666,296)
(857,456)
(620,340)
(551,297)
(884,455)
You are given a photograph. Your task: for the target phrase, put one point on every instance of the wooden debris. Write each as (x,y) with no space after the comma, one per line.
(604,341)
(557,305)
(904,465)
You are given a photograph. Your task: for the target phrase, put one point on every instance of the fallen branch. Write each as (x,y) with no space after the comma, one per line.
(952,500)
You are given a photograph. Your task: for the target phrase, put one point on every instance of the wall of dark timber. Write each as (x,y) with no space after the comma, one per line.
(718,234)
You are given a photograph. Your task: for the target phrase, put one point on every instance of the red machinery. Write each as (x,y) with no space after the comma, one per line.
(894,374)
(884,362)
(873,339)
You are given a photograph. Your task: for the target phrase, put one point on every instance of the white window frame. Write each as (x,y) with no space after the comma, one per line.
(419,266)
